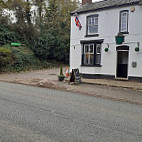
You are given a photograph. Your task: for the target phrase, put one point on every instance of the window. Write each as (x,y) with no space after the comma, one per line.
(92,25)
(124,21)
(91,54)
(98,54)
(88,54)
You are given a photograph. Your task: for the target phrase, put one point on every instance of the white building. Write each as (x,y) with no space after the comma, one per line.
(93,49)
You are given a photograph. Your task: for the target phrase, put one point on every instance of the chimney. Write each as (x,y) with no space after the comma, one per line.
(86,1)
(140,2)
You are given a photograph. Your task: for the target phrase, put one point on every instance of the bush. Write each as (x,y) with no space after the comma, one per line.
(24,59)
(45,46)
(62,53)
(20,59)
(6,58)
(7,36)
(50,47)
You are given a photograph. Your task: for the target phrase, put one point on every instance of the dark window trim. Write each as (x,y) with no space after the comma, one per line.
(125,47)
(92,41)
(93,15)
(88,35)
(95,35)
(95,42)
(126,32)
(91,65)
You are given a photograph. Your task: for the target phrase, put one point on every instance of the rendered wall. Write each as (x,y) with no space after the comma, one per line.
(108,29)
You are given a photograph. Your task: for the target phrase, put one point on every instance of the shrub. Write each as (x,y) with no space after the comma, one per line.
(45,46)
(21,59)
(24,59)
(6,35)
(6,58)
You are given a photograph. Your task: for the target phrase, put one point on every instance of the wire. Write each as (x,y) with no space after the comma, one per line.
(107,43)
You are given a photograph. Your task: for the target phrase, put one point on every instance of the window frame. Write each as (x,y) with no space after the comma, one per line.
(87,25)
(120,21)
(98,54)
(89,53)
(95,53)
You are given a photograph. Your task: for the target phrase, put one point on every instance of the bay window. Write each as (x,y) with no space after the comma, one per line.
(91,53)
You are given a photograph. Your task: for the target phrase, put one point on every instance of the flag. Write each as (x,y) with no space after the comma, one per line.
(78,24)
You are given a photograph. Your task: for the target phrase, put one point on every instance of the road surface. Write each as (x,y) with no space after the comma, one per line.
(32,114)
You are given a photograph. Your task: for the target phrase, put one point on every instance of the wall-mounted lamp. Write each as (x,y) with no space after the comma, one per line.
(74,46)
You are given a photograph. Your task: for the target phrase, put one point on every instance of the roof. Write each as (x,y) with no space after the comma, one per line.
(105,4)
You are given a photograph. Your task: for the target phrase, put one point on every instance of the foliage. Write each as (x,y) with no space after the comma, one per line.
(6,35)
(61,75)
(137,49)
(45,46)
(20,59)
(44,29)
(61,70)
(6,58)
(24,58)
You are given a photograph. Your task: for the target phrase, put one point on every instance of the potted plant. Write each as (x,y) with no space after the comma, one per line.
(106,49)
(61,76)
(137,49)
(119,38)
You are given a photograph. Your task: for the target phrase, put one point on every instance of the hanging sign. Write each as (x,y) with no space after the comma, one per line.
(75,76)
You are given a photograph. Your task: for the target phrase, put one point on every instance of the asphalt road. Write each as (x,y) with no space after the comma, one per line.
(32,114)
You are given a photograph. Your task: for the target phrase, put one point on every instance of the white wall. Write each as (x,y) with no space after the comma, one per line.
(108,29)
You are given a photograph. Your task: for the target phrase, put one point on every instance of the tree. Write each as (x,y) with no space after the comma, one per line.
(41,6)
(56,23)
(6,35)
(49,34)
(45,46)
(58,17)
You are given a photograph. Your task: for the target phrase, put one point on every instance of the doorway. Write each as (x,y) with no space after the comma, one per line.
(122,64)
